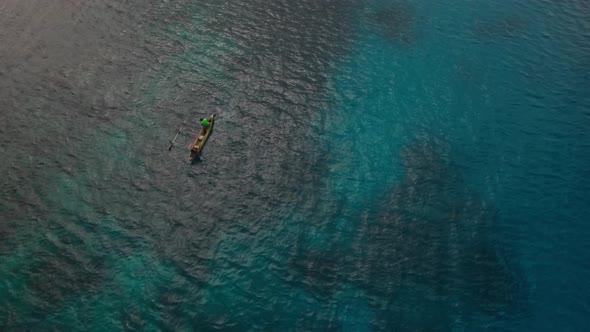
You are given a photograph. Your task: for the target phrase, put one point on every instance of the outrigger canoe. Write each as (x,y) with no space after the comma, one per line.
(199,143)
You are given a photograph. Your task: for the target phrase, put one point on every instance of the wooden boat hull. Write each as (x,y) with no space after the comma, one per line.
(197,147)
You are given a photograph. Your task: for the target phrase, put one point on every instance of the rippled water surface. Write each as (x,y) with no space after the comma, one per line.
(376,165)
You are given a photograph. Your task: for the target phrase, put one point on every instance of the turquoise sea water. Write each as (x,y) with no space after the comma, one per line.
(375,165)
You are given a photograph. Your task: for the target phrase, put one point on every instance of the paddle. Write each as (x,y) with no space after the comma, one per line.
(175,137)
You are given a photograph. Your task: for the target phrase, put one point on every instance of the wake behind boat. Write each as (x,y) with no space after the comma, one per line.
(197,147)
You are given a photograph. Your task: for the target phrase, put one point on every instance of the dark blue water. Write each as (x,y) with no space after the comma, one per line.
(375,165)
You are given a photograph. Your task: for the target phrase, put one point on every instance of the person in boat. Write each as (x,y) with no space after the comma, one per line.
(205,123)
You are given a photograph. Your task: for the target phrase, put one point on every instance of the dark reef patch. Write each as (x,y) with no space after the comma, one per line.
(319,271)
(397,22)
(501,27)
(64,277)
(432,234)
